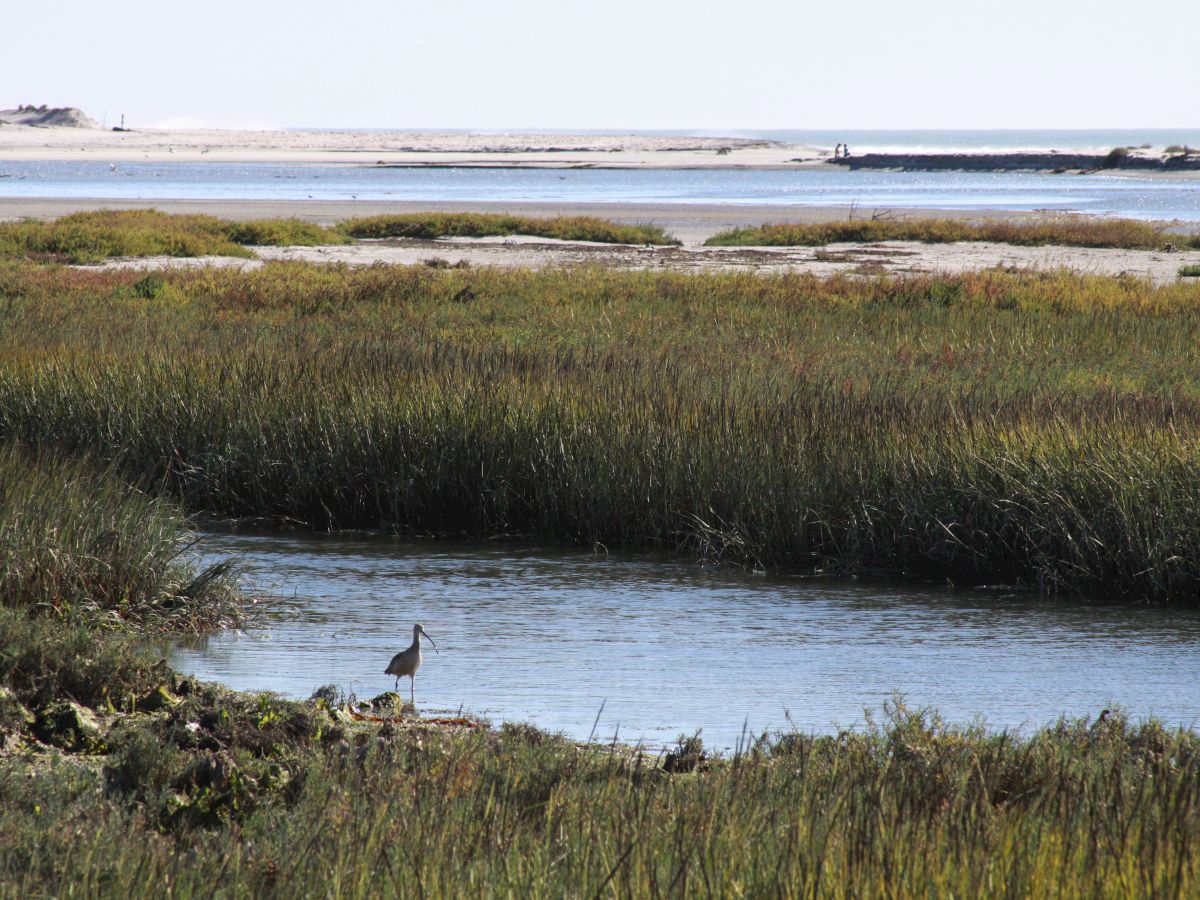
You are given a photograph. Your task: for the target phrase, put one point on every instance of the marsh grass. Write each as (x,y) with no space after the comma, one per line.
(78,541)
(567,228)
(92,237)
(1189,271)
(1040,427)
(1037,429)
(281,233)
(1070,231)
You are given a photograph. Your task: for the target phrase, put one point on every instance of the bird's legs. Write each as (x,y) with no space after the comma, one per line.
(412,689)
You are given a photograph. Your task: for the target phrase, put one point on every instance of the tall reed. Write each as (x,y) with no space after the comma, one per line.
(77,541)
(1039,429)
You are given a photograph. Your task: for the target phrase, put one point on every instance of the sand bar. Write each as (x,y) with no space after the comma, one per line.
(19,142)
(31,134)
(30,142)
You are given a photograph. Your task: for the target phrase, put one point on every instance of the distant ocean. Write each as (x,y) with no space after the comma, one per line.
(1111,194)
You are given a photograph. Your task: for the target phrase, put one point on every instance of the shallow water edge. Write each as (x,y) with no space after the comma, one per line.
(643,649)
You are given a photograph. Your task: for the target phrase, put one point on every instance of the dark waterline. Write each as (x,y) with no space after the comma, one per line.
(668,647)
(1146,198)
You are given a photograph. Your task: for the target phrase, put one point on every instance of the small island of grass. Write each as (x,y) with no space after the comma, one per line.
(1068,231)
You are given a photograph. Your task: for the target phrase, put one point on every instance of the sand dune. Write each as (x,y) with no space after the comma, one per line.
(29,116)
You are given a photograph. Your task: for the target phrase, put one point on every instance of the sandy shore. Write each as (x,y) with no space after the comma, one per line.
(894,257)
(397,148)
(27,142)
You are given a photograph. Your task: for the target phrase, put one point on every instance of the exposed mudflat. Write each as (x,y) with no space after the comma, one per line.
(894,257)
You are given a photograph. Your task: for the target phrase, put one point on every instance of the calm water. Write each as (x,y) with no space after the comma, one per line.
(657,648)
(1159,198)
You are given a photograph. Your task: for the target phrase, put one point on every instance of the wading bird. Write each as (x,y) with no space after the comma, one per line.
(406,662)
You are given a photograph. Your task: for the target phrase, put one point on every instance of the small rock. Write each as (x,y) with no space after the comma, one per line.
(212,772)
(70,726)
(158,699)
(388,700)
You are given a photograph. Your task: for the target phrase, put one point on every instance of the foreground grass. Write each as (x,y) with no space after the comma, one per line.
(92,237)
(1068,231)
(121,778)
(1037,429)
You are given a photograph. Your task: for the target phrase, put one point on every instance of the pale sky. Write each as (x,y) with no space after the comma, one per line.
(711,64)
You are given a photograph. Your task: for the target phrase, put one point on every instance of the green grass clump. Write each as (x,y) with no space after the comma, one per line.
(282,233)
(1192,271)
(90,237)
(568,228)
(77,541)
(1070,231)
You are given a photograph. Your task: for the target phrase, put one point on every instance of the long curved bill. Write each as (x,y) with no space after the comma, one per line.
(428,638)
